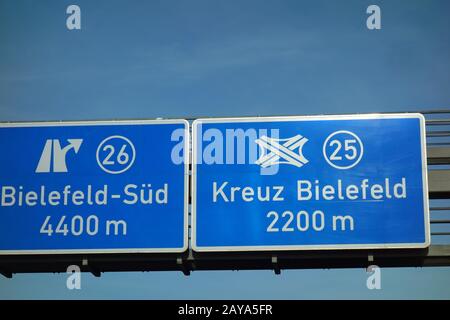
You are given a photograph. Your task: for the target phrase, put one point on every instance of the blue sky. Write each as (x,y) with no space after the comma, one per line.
(147,59)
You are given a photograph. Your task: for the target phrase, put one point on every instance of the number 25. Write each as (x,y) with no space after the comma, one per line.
(349,148)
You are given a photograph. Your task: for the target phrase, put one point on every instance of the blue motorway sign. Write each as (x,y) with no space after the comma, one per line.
(319,182)
(105,186)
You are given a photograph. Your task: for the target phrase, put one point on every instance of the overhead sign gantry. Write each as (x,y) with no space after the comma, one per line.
(265,193)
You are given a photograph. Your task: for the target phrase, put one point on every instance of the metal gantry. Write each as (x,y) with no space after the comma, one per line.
(438,254)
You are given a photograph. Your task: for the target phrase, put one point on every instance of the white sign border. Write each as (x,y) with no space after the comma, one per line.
(114,123)
(374,116)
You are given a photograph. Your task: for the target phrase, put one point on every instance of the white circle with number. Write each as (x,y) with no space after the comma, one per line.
(115,154)
(343,149)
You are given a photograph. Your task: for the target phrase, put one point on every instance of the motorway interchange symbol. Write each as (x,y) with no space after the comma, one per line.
(281,151)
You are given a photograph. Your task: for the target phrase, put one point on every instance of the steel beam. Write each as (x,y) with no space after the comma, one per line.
(439,184)
(438,155)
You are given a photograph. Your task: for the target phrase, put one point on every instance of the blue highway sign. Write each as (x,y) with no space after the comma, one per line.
(94,187)
(310,183)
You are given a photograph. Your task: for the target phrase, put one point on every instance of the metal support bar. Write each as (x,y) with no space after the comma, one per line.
(439,184)
(6,274)
(438,134)
(95,271)
(439,208)
(438,122)
(276,267)
(183,266)
(438,155)
(437,255)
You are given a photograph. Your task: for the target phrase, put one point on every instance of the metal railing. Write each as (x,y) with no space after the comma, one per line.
(438,147)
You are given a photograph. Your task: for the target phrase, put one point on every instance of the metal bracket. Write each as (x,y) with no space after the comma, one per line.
(370,260)
(183,266)
(95,271)
(276,267)
(6,274)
